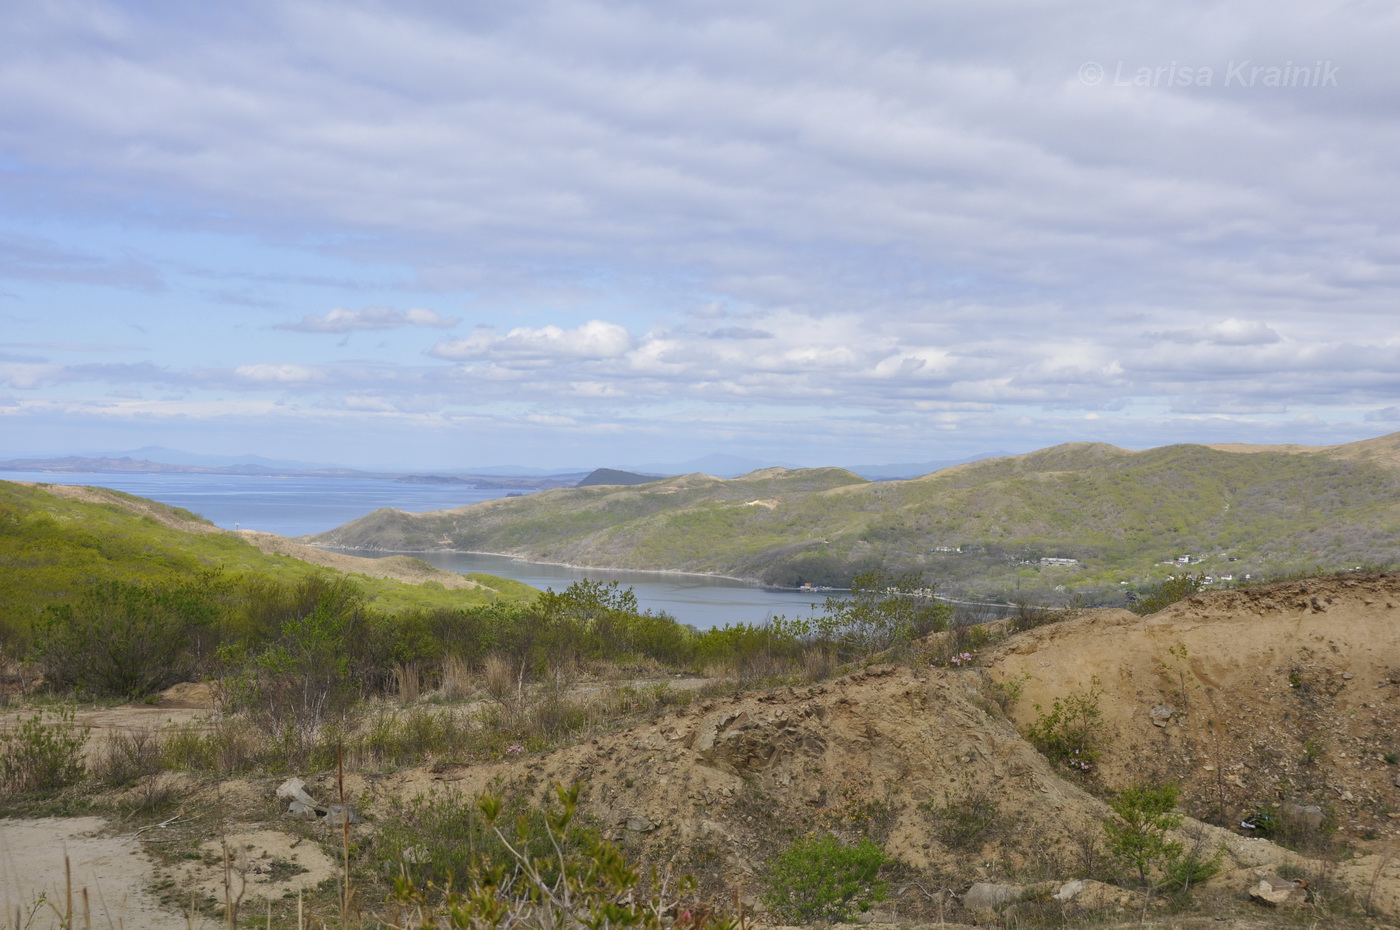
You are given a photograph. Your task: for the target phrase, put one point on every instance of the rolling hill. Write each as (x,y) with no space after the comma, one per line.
(981,528)
(56,540)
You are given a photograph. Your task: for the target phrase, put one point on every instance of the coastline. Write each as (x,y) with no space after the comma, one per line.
(569,565)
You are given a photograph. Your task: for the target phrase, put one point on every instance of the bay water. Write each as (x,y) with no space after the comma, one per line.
(300,505)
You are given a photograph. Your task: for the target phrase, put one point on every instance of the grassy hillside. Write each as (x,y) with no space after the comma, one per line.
(54,547)
(1121,514)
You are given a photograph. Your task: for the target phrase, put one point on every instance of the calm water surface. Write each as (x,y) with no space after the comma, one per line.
(300,506)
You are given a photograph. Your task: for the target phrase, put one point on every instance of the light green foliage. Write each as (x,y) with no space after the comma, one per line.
(311,674)
(1120,513)
(1175,588)
(1071,733)
(41,754)
(461,867)
(821,878)
(882,611)
(126,640)
(1139,834)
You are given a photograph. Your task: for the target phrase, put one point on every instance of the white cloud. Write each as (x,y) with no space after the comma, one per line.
(593,340)
(341,320)
(277,374)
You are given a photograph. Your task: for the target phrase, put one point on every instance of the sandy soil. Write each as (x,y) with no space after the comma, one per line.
(112,869)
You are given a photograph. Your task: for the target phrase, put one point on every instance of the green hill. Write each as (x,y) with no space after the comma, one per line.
(52,547)
(980,528)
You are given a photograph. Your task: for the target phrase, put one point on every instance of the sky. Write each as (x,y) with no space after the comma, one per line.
(592,232)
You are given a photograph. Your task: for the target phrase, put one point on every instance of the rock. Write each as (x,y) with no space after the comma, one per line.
(337,814)
(299,811)
(986,896)
(1272,891)
(1160,715)
(1088,894)
(294,789)
(1068,890)
(1310,815)
(639,823)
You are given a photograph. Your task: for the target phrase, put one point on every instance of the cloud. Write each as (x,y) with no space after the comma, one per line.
(763,211)
(285,374)
(595,339)
(1229,332)
(738,332)
(340,320)
(29,258)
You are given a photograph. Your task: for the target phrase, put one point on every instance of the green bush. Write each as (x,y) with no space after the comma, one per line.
(39,756)
(882,611)
(1139,836)
(456,866)
(1159,597)
(1071,734)
(124,640)
(820,878)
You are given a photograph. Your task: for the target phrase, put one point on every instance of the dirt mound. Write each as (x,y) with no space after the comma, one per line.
(723,785)
(1285,694)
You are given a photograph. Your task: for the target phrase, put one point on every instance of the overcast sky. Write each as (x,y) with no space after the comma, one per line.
(441,234)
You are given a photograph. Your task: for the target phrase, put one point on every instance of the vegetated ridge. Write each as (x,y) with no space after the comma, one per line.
(57,540)
(980,528)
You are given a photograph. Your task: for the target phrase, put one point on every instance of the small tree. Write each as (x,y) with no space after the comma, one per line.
(1138,838)
(882,611)
(1176,588)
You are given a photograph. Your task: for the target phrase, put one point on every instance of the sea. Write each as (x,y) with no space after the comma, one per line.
(301,505)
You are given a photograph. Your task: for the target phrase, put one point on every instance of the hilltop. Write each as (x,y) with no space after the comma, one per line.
(57,540)
(1102,514)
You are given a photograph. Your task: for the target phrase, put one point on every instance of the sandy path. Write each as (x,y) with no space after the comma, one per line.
(113,869)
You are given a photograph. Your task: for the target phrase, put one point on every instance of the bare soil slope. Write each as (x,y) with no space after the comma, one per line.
(1278,694)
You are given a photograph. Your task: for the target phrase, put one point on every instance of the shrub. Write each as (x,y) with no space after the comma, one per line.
(39,757)
(459,868)
(963,822)
(882,611)
(304,682)
(820,878)
(228,747)
(126,756)
(1072,733)
(123,640)
(1175,588)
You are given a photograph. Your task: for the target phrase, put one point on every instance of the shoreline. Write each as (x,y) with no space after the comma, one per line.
(573,566)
